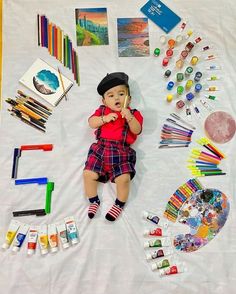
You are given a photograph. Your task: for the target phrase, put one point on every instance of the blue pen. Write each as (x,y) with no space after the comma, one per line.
(16,156)
(40,181)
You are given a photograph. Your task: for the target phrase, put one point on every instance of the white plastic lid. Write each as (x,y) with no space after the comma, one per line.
(30,251)
(54,249)
(5,246)
(15,249)
(148,256)
(44,251)
(74,241)
(154,266)
(146,232)
(146,245)
(66,245)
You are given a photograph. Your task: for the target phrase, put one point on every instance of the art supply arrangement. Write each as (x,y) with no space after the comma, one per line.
(46,236)
(179,197)
(58,44)
(175,134)
(165,261)
(205,163)
(205,213)
(29,110)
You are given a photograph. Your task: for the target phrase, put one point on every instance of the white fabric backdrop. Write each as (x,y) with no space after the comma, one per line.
(110,257)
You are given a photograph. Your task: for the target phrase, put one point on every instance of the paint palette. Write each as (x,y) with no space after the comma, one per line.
(205,212)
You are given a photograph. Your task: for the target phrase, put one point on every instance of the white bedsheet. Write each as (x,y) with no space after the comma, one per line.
(110,258)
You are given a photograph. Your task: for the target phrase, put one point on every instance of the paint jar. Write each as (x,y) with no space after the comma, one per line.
(165,61)
(179,63)
(179,77)
(198,88)
(167,73)
(170,85)
(189,96)
(180,104)
(157,52)
(169,98)
(171,43)
(169,53)
(194,60)
(198,76)
(180,90)
(188,71)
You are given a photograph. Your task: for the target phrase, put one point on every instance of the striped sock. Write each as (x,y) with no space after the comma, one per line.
(93,207)
(115,210)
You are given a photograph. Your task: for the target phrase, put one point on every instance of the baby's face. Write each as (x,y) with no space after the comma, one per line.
(114,98)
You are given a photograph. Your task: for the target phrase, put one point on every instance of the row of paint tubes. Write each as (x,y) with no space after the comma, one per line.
(47,235)
(168,264)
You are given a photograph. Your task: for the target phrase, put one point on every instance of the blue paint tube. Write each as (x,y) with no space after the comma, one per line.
(20,237)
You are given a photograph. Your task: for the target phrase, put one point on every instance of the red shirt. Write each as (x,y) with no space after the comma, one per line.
(113,130)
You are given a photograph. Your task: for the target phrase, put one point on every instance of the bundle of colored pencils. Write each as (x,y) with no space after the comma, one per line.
(29,111)
(58,45)
(179,197)
(205,163)
(175,135)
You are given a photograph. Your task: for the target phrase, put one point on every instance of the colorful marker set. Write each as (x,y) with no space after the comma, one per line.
(179,197)
(58,45)
(177,135)
(205,163)
(29,111)
(39,181)
(47,236)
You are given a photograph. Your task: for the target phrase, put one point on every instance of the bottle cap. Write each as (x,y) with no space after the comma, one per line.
(54,249)
(30,251)
(74,241)
(44,251)
(146,232)
(154,266)
(15,249)
(66,245)
(149,256)
(5,246)
(146,244)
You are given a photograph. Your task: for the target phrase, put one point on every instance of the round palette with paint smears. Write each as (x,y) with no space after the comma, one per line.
(220,127)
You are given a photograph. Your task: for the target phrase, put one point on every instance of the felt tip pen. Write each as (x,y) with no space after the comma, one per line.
(212,89)
(37,212)
(213,78)
(213,67)
(210,97)
(49,189)
(16,156)
(40,181)
(210,57)
(44,147)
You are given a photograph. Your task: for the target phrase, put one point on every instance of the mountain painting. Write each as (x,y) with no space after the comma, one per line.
(91,26)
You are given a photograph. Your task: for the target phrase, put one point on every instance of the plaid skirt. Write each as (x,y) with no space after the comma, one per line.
(110,159)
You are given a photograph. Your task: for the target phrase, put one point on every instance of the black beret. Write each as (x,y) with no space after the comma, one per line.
(112,80)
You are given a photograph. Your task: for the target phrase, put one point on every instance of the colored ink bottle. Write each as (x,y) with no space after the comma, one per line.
(169,53)
(189,96)
(188,84)
(167,73)
(162,39)
(165,61)
(171,43)
(170,85)
(194,60)
(198,76)
(178,38)
(179,63)
(189,46)
(180,90)
(157,52)
(179,77)
(198,88)
(180,104)
(169,98)
(183,54)
(188,71)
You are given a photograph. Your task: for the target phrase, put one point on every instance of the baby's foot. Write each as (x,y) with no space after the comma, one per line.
(113,213)
(93,207)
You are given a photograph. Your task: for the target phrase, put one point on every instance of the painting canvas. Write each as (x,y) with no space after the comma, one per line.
(45,81)
(91,26)
(133,37)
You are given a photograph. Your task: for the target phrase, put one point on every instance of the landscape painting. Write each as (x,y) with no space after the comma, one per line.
(91,26)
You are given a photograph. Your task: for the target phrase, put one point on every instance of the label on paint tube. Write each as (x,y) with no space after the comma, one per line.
(71,229)
(11,232)
(166,262)
(20,237)
(32,240)
(158,232)
(159,253)
(173,269)
(163,242)
(61,229)
(154,218)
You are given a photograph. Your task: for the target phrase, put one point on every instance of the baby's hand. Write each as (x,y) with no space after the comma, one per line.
(125,113)
(110,117)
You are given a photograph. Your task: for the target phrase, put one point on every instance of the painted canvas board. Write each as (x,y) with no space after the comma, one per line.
(133,37)
(45,81)
(91,26)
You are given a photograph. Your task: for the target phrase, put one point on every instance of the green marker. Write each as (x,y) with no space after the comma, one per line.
(49,189)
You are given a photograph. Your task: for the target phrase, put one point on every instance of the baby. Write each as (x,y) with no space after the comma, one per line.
(111,157)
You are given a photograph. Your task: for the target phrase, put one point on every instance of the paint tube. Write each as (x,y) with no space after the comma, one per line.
(158,232)
(43,239)
(154,218)
(163,242)
(32,240)
(166,262)
(52,237)
(20,237)
(159,253)
(173,269)
(72,231)
(11,232)
(62,233)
